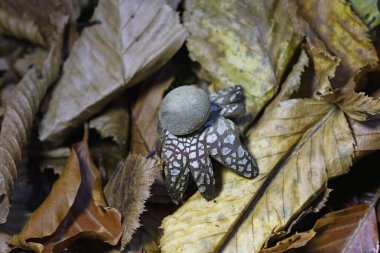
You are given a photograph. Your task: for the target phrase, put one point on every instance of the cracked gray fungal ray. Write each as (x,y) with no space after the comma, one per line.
(218,138)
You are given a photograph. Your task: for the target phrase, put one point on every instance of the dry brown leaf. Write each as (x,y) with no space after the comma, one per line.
(35,58)
(74,209)
(249,43)
(331,26)
(295,241)
(35,20)
(359,106)
(145,115)
(19,115)
(128,189)
(350,230)
(132,40)
(53,159)
(114,123)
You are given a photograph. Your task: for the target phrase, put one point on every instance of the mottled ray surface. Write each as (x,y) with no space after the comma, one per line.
(219,138)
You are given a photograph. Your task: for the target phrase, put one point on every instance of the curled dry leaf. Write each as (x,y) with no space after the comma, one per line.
(53,159)
(19,115)
(236,43)
(331,27)
(74,209)
(368,11)
(145,115)
(350,230)
(128,189)
(114,123)
(38,19)
(132,40)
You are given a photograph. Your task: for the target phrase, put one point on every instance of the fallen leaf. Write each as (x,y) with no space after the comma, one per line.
(249,43)
(295,241)
(128,189)
(137,37)
(368,11)
(114,123)
(74,209)
(350,230)
(38,20)
(18,119)
(52,159)
(145,114)
(331,26)
(367,133)
(35,58)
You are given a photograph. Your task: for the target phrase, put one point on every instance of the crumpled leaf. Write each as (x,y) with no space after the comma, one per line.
(331,26)
(53,159)
(368,11)
(74,209)
(132,40)
(114,123)
(19,115)
(350,230)
(359,106)
(34,20)
(295,241)
(248,43)
(145,115)
(367,133)
(128,189)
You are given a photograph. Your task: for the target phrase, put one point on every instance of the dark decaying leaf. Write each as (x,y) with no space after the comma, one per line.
(131,41)
(128,189)
(113,123)
(74,209)
(20,113)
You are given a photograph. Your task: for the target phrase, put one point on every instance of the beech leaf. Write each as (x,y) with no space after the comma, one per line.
(350,230)
(145,115)
(18,118)
(114,123)
(35,20)
(331,26)
(132,40)
(235,43)
(74,209)
(128,189)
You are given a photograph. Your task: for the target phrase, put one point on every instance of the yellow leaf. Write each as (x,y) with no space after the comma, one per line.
(248,43)
(368,11)
(132,40)
(331,26)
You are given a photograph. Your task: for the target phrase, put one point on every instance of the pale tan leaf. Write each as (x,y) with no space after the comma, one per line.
(128,189)
(248,43)
(331,26)
(304,141)
(35,20)
(19,115)
(52,159)
(132,40)
(114,123)
(35,58)
(145,115)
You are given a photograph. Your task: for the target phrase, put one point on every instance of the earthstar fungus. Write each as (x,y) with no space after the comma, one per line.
(195,126)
